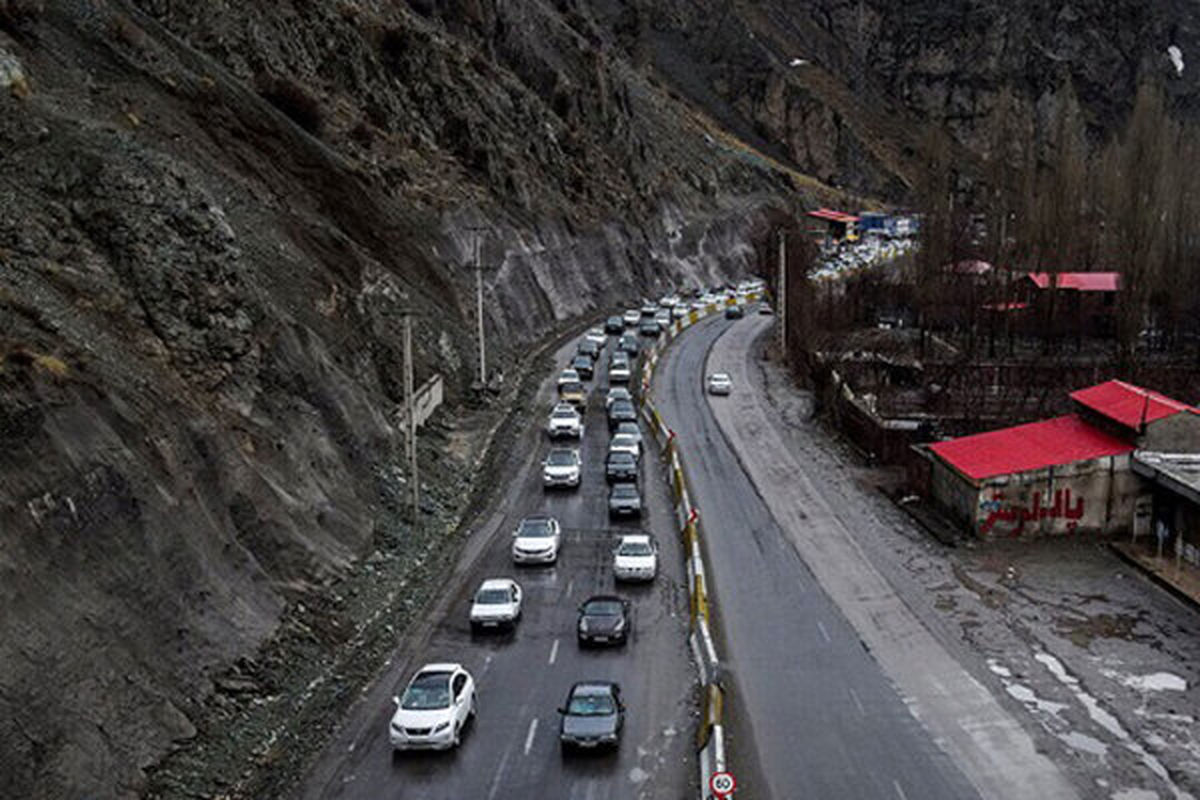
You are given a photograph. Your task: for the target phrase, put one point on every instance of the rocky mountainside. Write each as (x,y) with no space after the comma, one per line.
(212,215)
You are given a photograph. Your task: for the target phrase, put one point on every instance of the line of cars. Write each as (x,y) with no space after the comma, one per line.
(441,698)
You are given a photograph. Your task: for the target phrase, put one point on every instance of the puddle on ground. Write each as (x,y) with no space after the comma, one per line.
(1083,631)
(1134,794)
(1084,743)
(993,598)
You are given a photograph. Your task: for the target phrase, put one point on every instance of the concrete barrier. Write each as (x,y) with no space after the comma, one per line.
(710,736)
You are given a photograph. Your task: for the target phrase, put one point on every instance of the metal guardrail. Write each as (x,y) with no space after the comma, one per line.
(710,736)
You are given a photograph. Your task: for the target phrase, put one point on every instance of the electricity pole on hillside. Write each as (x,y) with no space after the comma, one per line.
(477,265)
(782,284)
(410,401)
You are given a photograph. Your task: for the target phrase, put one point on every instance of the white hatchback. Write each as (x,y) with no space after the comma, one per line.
(496,604)
(719,383)
(625,443)
(635,558)
(562,467)
(568,375)
(434,708)
(565,421)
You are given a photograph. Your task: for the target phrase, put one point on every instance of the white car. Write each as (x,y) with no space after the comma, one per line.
(719,383)
(536,541)
(663,318)
(568,375)
(632,317)
(635,558)
(616,393)
(625,443)
(496,604)
(679,312)
(565,421)
(630,429)
(597,336)
(562,467)
(434,708)
(619,372)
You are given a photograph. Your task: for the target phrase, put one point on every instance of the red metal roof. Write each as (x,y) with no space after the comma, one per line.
(833,216)
(1128,404)
(1038,445)
(1079,281)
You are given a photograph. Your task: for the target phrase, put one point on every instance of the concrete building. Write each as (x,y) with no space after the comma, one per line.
(1173,522)
(1071,474)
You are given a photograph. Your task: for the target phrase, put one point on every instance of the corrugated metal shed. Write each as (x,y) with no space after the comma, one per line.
(1038,445)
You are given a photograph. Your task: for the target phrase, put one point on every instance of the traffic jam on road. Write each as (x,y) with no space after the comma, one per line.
(443,701)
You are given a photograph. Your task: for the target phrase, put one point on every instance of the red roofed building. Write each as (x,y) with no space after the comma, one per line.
(840,224)
(1082,302)
(1068,474)
(1078,281)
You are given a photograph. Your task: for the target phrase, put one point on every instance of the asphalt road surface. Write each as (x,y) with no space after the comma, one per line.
(512,749)
(814,715)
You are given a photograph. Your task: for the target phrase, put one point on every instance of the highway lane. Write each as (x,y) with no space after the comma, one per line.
(815,715)
(512,749)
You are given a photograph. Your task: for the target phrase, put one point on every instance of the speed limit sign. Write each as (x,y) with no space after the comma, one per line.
(722,784)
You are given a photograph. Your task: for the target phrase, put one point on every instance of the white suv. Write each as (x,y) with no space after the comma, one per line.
(635,558)
(496,604)
(565,421)
(433,709)
(536,541)
(562,467)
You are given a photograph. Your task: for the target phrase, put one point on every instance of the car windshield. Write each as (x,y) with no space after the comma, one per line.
(629,429)
(564,413)
(622,440)
(621,457)
(573,386)
(591,705)
(535,528)
(624,490)
(602,608)
(622,407)
(561,458)
(635,549)
(428,690)
(492,597)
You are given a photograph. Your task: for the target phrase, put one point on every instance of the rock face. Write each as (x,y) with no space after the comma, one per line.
(212,215)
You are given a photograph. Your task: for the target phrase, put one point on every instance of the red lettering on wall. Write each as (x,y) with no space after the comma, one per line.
(1017,516)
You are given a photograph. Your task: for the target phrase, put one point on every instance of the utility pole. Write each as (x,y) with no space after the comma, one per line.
(782,283)
(410,400)
(477,265)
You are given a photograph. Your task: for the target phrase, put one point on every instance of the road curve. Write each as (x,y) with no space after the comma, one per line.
(512,751)
(816,716)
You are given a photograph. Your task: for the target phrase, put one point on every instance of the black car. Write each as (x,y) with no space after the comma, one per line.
(603,619)
(624,500)
(584,366)
(649,327)
(620,465)
(614,325)
(593,716)
(734,312)
(629,344)
(621,411)
(588,348)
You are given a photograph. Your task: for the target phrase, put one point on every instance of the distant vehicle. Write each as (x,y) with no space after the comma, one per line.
(663,318)
(562,467)
(625,442)
(616,393)
(631,317)
(497,604)
(619,372)
(629,344)
(670,301)
(434,708)
(536,541)
(603,619)
(614,325)
(719,383)
(621,411)
(592,717)
(765,308)
(624,500)
(630,429)
(649,310)
(597,336)
(734,312)
(620,465)
(565,421)
(679,312)
(635,558)
(584,366)
(573,393)
(568,375)
(588,348)
(649,327)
